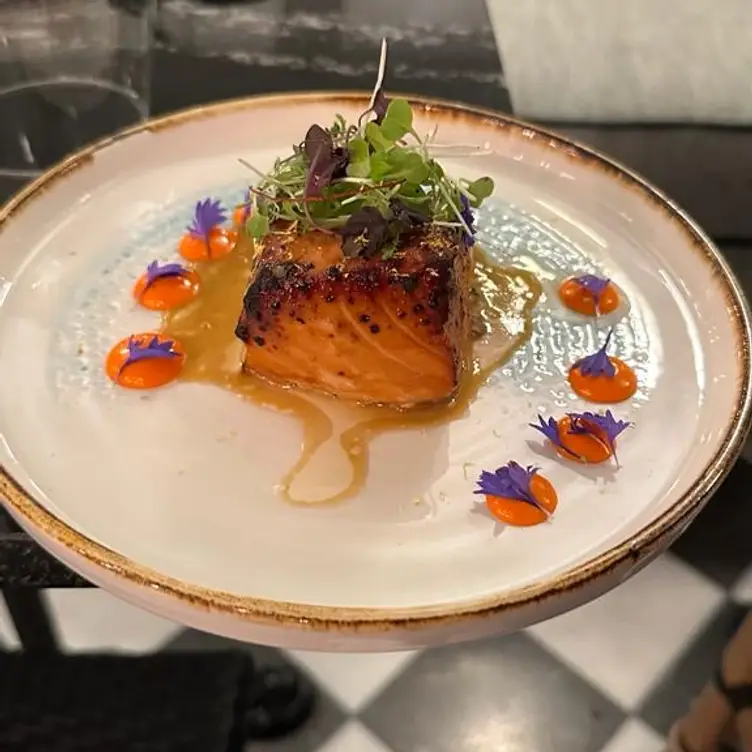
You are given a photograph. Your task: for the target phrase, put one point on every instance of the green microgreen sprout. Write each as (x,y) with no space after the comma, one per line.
(370,183)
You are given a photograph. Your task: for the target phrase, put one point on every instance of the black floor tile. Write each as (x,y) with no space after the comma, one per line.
(717,542)
(192,640)
(327,716)
(505,693)
(671,697)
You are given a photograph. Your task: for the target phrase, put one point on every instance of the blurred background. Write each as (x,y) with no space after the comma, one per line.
(662,86)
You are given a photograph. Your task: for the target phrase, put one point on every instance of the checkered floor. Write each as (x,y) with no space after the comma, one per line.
(609,677)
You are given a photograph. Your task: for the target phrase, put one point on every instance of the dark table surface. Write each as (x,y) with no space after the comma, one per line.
(211,51)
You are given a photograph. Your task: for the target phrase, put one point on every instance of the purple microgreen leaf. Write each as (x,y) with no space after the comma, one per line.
(602,426)
(380,105)
(153,348)
(402,218)
(597,364)
(406,215)
(364,233)
(550,429)
(317,139)
(511,481)
(207,216)
(468,217)
(154,272)
(325,162)
(595,285)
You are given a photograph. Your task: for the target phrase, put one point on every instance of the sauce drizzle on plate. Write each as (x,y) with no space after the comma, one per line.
(205,327)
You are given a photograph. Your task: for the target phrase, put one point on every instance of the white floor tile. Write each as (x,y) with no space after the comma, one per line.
(623,641)
(352,678)
(354,737)
(635,736)
(8,637)
(92,619)
(742,590)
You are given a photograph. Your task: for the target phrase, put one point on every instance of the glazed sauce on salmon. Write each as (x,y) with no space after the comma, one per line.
(504,301)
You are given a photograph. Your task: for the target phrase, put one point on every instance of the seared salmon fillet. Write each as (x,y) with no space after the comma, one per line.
(371,330)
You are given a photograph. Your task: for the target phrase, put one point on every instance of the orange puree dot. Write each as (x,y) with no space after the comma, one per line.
(588,448)
(165,293)
(617,388)
(521,513)
(221,242)
(577,298)
(147,373)
(238,216)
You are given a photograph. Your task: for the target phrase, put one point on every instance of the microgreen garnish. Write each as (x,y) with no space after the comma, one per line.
(510,481)
(597,364)
(152,348)
(207,216)
(368,231)
(469,219)
(602,426)
(325,160)
(550,429)
(595,285)
(379,102)
(154,272)
(246,213)
(339,178)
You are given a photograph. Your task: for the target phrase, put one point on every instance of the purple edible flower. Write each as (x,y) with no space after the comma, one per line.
(602,426)
(597,364)
(154,271)
(151,349)
(594,285)
(550,429)
(207,216)
(511,481)
(468,217)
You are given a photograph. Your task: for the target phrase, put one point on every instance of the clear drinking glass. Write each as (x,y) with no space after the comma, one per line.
(71,71)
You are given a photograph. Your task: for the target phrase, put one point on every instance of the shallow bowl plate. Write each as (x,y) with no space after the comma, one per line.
(168,498)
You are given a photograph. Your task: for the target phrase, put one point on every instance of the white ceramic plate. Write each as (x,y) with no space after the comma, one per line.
(168,499)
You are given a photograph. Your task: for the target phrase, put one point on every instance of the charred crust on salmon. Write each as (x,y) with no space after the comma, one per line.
(361,278)
(423,324)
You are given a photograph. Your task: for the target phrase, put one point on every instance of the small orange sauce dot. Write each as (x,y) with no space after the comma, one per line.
(239,215)
(587,448)
(617,388)
(580,300)
(166,293)
(147,373)
(520,513)
(221,242)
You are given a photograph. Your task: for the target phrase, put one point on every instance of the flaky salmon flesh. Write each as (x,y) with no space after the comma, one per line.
(370,330)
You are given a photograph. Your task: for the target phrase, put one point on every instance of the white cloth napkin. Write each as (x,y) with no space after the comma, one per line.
(627,60)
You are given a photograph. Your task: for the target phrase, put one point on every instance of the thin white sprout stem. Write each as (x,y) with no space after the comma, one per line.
(381,74)
(456,211)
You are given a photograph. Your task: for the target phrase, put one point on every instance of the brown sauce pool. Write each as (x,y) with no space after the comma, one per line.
(503,305)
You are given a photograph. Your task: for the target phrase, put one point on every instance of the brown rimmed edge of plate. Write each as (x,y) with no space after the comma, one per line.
(642,546)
